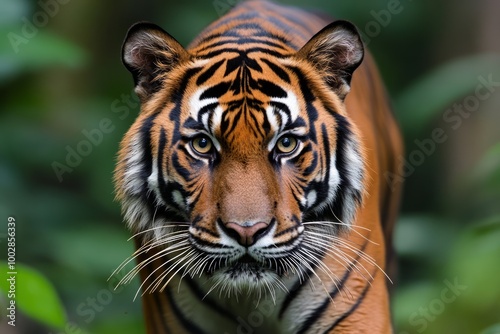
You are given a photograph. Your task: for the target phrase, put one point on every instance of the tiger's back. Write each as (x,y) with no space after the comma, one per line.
(254,177)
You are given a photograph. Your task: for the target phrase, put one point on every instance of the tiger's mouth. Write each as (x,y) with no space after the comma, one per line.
(247,263)
(247,260)
(248,268)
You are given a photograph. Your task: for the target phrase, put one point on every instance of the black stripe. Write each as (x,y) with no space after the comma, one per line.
(190,326)
(181,169)
(208,301)
(208,109)
(295,193)
(345,187)
(160,312)
(165,188)
(179,89)
(318,312)
(193,124)
(324,185)
(277,22)
(253,122)
(242,60)
(314,163)
(262,39)
(205,230)
(147,162)
(303,83)
(161,181)
(294,292)
(351,310)
(244,25)
(200,243)
(277,69)
(208,73)
(216,91)
(232,50)
(294,228)
(287,28)
(271,89)
(228,126)
(147,158)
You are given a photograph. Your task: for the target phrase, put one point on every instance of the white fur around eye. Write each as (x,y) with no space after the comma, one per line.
(211,121)
(291,102)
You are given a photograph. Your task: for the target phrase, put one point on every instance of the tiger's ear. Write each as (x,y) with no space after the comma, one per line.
(149,52)
(336,51)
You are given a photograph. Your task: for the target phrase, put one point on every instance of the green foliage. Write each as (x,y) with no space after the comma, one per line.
(432,243)
(35,296)
(44,50)
(429,95)
(67,79)
(33,52)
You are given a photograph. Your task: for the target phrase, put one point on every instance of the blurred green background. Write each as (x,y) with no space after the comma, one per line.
(61,80)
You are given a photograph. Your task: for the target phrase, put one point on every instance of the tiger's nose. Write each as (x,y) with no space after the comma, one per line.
(246,235)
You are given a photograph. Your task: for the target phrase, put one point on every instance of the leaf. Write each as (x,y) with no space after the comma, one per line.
(35,296)
(436,91)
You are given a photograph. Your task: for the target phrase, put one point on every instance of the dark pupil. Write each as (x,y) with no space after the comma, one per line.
(286,142)
(203,142)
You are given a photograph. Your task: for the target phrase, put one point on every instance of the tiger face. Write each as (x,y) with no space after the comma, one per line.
(243,158)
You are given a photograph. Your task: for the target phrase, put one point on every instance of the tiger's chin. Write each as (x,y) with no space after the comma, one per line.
(246,276)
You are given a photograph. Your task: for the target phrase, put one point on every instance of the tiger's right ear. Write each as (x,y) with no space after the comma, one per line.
(336,51)
(149,52)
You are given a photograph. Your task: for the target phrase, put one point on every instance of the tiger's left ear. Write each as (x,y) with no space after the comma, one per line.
(149,53)
(336,51)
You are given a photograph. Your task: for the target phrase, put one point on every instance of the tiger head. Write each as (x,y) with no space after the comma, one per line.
(243,156)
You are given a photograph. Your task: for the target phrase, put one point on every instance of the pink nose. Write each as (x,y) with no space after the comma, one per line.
(246,235)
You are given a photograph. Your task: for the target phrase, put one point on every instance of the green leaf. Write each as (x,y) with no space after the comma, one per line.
(431,95)
(35,296)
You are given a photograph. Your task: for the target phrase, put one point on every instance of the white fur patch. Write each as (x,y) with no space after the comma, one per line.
(355,166)
(153,180)
(135,213)
(293,105)
(179,199)
(291,102)
(195,105)
(133,167)
(311,198)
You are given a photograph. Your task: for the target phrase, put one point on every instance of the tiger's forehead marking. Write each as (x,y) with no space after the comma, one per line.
(279,112)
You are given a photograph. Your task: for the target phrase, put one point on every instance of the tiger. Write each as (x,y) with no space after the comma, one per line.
(252,179)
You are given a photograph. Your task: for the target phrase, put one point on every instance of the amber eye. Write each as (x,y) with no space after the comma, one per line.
(202,144)
(286,144)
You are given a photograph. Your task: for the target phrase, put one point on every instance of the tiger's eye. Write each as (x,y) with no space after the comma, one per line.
(286,144)
(202,144)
